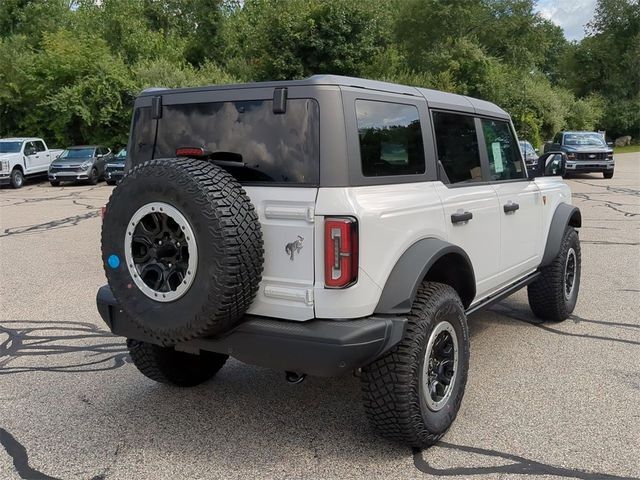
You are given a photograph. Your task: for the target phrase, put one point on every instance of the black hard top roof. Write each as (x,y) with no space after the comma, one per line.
(435,98)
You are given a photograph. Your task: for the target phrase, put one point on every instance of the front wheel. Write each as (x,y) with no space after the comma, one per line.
(54,183)
(608,174)
(167,365)
(413,393)
(93,176)
(17,178)
(554,294)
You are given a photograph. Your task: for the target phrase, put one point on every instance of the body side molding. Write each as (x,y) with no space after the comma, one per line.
(411,269)
(564,215)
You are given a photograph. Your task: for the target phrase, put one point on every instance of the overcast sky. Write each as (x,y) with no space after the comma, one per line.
(572,15)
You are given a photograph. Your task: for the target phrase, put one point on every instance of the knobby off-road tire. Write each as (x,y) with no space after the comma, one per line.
(224,261)
(166,365)
(554,294)
(395,387)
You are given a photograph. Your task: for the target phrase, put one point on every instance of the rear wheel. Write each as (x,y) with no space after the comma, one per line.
(17,178)
(413,393)
(554,294)
(167,365)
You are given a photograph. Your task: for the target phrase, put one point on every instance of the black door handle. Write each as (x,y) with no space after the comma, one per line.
(511,207)
(461,217)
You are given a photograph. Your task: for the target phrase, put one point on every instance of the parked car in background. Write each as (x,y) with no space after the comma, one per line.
(529,154)
(115,168)
(24,157)
(586,152)
(80,163)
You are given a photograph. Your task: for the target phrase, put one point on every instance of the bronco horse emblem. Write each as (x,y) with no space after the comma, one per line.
(294,247)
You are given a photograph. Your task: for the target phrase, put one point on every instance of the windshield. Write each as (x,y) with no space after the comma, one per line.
(77,153)
(122,154)
(584,139)
(10,147)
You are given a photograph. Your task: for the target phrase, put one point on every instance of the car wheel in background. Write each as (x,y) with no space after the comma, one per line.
(110,182)
(54,183)
(93,176)
(17,178)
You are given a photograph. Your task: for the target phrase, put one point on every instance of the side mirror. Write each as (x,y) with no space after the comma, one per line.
(610,144)
(537,150)
(550,164)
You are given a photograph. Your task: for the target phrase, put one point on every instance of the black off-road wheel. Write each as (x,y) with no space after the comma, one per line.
(167,365)
(182,249)
(413,393)
(17,178)
(608,174)
(554,294)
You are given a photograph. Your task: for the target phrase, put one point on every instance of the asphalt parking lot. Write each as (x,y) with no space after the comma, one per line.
(546,400)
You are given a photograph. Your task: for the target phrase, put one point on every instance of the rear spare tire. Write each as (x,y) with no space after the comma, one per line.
(182,248)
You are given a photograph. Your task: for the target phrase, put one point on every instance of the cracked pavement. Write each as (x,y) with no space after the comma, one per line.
(543,400)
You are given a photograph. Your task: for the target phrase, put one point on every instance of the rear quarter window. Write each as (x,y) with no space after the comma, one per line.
(390,139)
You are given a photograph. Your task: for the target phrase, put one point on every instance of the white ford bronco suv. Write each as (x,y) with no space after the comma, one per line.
(330,225)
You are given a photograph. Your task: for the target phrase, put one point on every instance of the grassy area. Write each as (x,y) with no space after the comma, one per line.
(627,149)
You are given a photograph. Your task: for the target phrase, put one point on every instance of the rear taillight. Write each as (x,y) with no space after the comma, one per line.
(340,252)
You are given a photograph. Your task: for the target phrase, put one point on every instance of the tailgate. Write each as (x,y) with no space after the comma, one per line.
(287,220)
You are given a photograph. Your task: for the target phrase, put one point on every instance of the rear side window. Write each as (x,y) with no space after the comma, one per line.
(457,144)
(390,139)
(247,139)
(505,162)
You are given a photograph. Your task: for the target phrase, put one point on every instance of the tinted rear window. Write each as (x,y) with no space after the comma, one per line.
(248,139)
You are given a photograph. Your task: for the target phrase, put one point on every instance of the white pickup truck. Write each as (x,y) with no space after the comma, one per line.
(24,157)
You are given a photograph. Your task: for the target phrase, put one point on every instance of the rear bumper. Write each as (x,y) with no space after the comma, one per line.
(317,347)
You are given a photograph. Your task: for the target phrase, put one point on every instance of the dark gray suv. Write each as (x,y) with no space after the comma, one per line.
(80,163)
(586,152)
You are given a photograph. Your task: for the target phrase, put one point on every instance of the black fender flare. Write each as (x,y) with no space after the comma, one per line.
(411,269)
(565,215)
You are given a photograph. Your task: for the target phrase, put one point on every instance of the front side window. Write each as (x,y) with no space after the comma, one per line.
(457,144)
(247,138)
(29,149)
(505,162)
(39,146)
(390,139)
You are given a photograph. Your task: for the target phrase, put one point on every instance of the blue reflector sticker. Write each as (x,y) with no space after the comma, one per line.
(113,261)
